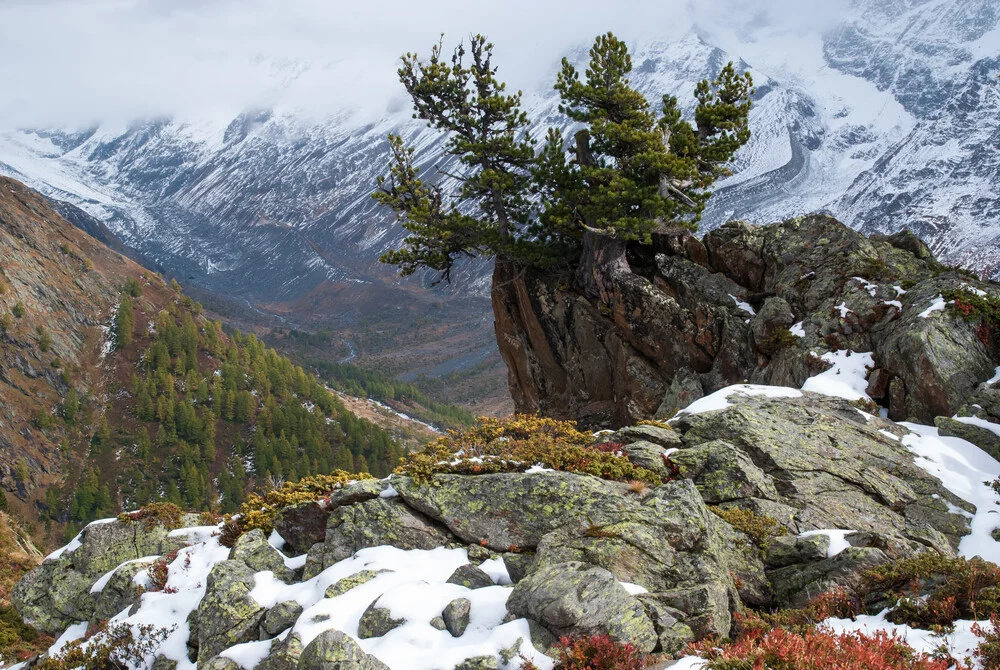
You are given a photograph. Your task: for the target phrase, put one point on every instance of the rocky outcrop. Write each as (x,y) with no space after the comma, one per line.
(816,462)
(654,566)
(691,316)
(58,592)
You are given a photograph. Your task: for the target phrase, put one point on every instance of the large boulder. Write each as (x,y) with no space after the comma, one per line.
(580,599)
(227,615)
(334,650)
(508,510)
(371,524)
(57,593)
(819,463)
(668,543)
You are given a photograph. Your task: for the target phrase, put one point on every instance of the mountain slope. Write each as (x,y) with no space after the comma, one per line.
(116,391)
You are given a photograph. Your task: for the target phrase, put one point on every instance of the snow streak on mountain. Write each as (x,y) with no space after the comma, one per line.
(889,120)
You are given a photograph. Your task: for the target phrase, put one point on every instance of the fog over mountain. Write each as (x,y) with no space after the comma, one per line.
(235,144)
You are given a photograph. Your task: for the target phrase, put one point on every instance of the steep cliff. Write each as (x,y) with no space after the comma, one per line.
(767,304)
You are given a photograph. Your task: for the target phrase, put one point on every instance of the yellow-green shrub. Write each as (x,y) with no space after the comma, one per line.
(519,442)
(259,511)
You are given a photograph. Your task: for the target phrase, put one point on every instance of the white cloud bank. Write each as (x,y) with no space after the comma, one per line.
(70,62)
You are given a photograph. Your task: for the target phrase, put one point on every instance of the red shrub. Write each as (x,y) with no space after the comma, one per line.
(597,652)
(988,651)
(818,649)
(611,447)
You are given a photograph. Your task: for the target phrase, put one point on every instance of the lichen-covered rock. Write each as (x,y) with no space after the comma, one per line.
(470,577)
(821,457)
(120,592)
(668,541)
(342,586)
(219,663)
(377,621)
(227,615)
(252,548)
(283,655)
(438,623)
(518,564)
(53,596)
(509,509)
(161,662)
(671,630)
(796,585)
(334,650)
(660,435)
(723,473)
(580,599)
(57,593)
(456,616)
(105,546)
(478,663)
(280,617)
(373,523)
(791,549)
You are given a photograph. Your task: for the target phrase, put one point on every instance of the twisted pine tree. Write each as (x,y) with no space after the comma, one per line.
(626,171)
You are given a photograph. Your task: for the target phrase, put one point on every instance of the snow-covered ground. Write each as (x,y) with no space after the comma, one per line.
(962,467)
(414,586)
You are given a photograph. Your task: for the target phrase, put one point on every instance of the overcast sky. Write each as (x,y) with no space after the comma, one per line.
(80,61)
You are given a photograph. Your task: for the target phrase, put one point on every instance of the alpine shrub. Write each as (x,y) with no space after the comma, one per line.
(517,443)
(596,652)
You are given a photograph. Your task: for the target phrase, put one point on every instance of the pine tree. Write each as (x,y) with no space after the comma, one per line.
(488,135)
(71,405)
(628,171)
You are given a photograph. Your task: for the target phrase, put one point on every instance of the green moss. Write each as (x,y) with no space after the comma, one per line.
(759,527)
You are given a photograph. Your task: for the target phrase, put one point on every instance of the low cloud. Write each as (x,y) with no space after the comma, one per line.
(74,62)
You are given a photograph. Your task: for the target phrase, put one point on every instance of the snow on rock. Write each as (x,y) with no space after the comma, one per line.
(720,399)
(74,632)
(742,304)
(846,379)
(797,330)
(412,584)
(995,378)
(838,539)
(966,471)
(937,305)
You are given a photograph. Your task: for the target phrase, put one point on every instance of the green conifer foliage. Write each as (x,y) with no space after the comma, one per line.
(627,170)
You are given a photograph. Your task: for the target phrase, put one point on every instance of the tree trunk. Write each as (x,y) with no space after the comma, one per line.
(603,256)
(602,260)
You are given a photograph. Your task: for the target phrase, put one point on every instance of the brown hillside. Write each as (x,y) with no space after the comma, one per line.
(68,284)
(97,416)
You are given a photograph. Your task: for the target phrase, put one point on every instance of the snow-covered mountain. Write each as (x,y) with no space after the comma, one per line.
(889,119)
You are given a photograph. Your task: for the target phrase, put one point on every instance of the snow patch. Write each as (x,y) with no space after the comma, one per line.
(838,539)
(846,379)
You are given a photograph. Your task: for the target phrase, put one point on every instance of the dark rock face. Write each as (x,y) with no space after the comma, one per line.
(691,316)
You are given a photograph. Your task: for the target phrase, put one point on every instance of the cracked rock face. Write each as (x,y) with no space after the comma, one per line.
(687,317)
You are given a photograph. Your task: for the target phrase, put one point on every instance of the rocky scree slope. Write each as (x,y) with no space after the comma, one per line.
(474,571)
(772,304)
